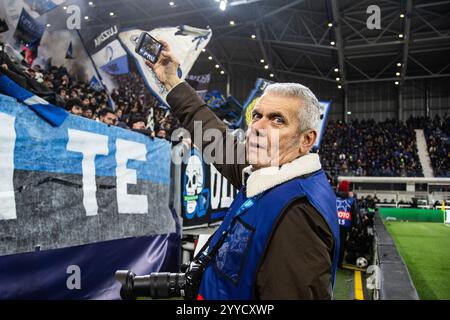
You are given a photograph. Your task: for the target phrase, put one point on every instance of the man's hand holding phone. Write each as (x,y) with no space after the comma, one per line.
(166,67)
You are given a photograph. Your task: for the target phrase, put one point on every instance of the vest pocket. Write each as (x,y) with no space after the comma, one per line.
(231,256)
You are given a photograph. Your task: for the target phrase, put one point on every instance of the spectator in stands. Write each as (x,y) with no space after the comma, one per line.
(108,117)
(88,113)
(347,215)
(138,124)
(367,148)
(74,107)
(161,133)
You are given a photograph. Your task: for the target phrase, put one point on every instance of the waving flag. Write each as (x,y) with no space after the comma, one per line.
(69,53)
(50,113)
(185,42)
(28,29)
(95,84)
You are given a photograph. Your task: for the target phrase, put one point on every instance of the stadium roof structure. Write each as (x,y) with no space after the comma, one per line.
(328,40)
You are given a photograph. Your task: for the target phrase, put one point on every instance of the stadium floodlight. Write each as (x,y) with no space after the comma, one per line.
(222,72)
(332,43)
(266,66)
(402,15)
(241,2)
(223,5)
(338,79)
(231,23)
(399,64)
(397,83)
(203,50)
(86,18)
(111,14)
(253,36)
(217,66)
(91,3)
(336,70)
(339,87)
(400,35)
(65,8)
(349,112)
(330,24)
(271,75)
(397,74)
(171,3)
(262,60)
(209,58)
(48,25)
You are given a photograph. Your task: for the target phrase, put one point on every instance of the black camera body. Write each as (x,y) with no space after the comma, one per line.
(160,285)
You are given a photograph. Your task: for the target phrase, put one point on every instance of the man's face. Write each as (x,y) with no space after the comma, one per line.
(76,110)
(273,136)
(161,134)
(87,113)
(139,125)
(109,118)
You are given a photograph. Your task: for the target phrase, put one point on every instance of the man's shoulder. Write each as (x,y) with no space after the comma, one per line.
(300,216)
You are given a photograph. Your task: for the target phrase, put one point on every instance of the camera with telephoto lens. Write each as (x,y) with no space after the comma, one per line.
(159,285)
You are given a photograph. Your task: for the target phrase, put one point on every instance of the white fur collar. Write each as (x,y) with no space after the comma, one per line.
(266,178)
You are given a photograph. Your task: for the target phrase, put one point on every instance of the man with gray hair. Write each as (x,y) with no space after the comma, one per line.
(280,236)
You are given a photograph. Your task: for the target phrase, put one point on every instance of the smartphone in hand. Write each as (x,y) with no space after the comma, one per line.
(148,47)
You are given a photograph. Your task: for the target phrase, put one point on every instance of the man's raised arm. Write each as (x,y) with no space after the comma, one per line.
(228,153)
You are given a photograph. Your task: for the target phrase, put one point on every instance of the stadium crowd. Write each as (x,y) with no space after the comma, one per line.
(130,106)
(437,134)
(359,148)
(367,148)
(135,108)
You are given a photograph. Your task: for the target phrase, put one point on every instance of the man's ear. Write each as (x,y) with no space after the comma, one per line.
(307,140)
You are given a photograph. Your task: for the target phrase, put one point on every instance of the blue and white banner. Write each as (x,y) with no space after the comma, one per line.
(112,59)
(77,192)
(86,271)
(28,30)
(42,6)
(324,108)
(200,83)
(50,113)
(95,84)
(78,183)
(185,42)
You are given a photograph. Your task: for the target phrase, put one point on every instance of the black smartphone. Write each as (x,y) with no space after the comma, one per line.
(148,47)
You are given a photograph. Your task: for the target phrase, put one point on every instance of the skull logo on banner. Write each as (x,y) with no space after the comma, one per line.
(195,197)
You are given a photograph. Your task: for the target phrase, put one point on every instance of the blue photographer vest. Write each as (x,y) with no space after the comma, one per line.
(232,273)
(344,206)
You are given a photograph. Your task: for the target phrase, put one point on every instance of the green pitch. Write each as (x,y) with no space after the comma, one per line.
(425,247)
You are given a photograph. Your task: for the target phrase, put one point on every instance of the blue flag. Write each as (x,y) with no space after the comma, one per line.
(69,53)
(95,84)
(50,113)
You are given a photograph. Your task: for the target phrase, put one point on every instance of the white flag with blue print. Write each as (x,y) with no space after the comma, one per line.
(185,42)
